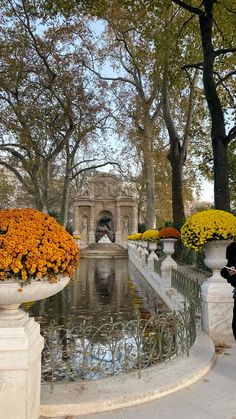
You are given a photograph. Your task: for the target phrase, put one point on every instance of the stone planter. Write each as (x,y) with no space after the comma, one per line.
(168,249)
(20,348)
(217,301)
(215,258)
(12,295)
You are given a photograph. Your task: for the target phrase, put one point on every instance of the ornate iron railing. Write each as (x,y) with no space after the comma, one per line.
(88,352)
(187,286)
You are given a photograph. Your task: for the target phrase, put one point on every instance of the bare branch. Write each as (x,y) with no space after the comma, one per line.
(227,8)
(95,167)
(226,77)
(85,161)
(224,51)
(231,134)
(183,26)
(194,65)
(190,107)
(186,6)
(108,78)
(16,173)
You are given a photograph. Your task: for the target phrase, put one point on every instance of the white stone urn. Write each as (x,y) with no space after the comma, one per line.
(20,348)
(168,250)
(152,246)
(215,258)
(12,295)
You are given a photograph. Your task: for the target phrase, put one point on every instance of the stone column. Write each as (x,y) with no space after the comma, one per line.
(118,227)
(75,217)
(20,368)
(91,226)
(134,219)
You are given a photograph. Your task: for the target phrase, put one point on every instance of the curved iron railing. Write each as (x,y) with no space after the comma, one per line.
(87,352)
(187,286)
(191,290)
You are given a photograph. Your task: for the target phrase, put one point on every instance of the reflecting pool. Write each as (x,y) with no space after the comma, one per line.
(100,289)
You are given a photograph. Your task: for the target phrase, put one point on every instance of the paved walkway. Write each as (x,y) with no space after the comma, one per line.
(212,396)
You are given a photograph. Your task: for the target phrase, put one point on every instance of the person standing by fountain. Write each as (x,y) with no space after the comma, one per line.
(229,273)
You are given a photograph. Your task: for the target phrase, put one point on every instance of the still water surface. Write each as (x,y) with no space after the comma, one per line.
(100,289)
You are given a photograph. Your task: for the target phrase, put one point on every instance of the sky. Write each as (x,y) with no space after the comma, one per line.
(207,192)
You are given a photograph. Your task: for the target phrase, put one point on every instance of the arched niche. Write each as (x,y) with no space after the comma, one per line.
(105,225)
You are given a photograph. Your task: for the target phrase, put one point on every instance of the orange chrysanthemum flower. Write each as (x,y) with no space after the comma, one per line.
(34,245)
(169,233)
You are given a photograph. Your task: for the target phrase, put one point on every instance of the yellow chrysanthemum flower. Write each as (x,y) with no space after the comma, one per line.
(208,225)
(135,236)
(151,235)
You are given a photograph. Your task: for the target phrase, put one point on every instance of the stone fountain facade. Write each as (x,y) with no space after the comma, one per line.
(108,206)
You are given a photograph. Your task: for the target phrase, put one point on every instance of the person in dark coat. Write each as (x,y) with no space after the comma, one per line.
(229,273)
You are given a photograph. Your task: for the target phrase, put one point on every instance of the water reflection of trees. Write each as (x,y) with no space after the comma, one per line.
(104,277)
(99,290)
(82,333)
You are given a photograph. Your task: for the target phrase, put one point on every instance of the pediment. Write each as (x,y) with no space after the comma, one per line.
(104,177)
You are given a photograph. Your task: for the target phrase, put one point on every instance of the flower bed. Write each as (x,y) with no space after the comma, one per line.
(208,225)
(34,245)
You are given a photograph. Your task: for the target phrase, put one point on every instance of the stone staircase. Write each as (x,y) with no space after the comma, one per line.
(104,250)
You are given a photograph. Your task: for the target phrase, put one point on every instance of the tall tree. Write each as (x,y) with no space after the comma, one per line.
(49,105)
(217,29)
(138,44)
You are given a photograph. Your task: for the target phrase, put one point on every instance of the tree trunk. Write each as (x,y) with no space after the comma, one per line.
(65,200)
(39,196)
(70,156)
(176,159)
(218,134)
(149,178)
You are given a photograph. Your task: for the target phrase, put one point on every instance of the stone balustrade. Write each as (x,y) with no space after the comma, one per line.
(216,303)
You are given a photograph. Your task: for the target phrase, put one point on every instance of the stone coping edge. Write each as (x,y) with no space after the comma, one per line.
(126,390)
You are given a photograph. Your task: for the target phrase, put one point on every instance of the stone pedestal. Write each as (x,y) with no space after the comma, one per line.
(152,257)
(217,301)
(20,368)
(217,309)
(144,253)
(20,348)
(168,263)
